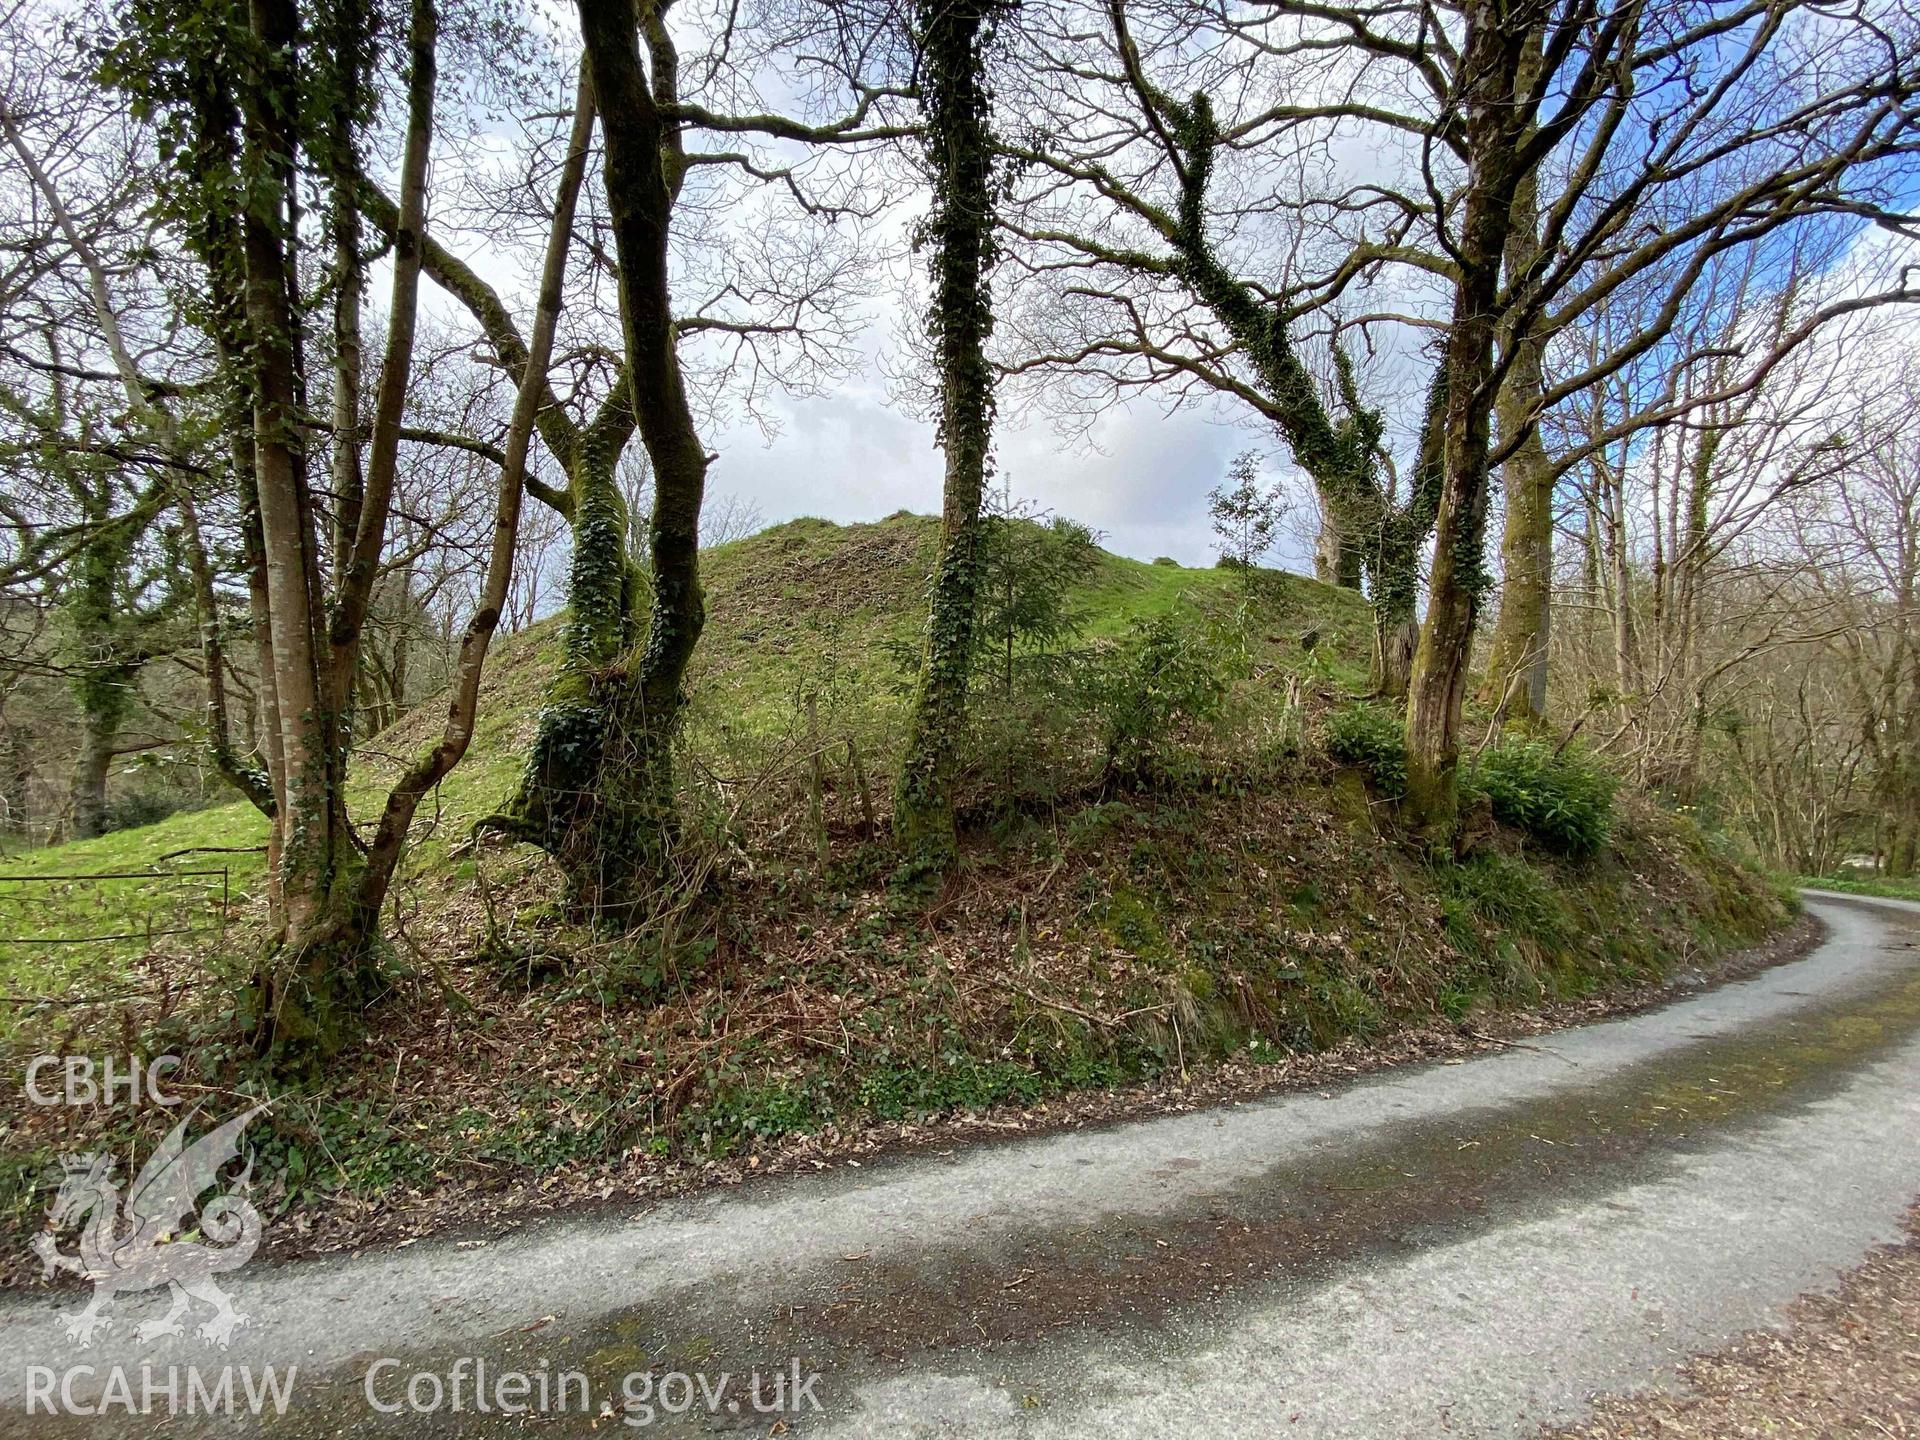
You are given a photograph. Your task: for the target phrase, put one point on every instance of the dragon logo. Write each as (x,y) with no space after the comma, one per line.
(132,1247)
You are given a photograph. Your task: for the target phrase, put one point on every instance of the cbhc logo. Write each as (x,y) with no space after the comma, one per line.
(115,1080)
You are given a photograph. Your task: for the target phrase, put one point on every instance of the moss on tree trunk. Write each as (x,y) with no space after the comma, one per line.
(598,792)
(1458,580)
(953,35)
(1516,679)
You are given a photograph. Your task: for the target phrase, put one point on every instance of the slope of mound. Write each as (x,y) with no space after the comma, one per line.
(1233,901)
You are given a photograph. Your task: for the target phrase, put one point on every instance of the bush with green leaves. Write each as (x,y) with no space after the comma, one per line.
(1246,516)
(1561,798)
(1030,562)
(1373,739)
(1168,672)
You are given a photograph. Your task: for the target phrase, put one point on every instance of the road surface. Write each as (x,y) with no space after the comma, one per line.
(1461,1249)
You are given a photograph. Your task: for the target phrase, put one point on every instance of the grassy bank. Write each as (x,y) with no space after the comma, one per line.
(1240,896)
(1881,886)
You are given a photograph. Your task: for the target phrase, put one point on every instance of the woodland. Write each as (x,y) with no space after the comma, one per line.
(404,705)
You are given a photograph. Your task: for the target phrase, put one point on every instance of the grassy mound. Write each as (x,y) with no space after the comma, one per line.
(1244,899)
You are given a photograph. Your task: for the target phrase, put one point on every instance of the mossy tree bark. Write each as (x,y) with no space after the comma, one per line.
(1395,568)
(296,985)
(250,96)
(1367,535)
(1490,65)
(106,634)
(574,799)
(212,120)
(1337,557)
(1516,679)
(244,775)
(599,788)
(326,900)
(952,37)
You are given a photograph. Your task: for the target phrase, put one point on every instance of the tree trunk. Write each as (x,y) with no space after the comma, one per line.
(104,672)
(295,985)
(581,797)
(1458,578)
(1336,555)
(427,771)
(1395,638)
(249,779)
(329,913)
(215,239)
(1516,680)
(89,795)
(1517,665)
(599,793)
(1626,644)
(16,777)
(1394,566)
(344,33)
(1903,848)
(952,36)
(398,660)
(1338,454)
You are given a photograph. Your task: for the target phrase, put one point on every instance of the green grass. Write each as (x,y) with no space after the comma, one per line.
(1887,889)
(1255,902)
(165,877)
(75,918)
(808,608)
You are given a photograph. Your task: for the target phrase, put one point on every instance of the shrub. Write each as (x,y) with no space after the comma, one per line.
(1030,563)
(1164,675)
(1245,517)
(1563,800)
(1166,560)
(1373,739)
(130,809)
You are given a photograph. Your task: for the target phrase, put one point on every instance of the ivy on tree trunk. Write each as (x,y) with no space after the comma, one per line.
(242,92)
(598,793)
(1458,579)
(952,38)
(1366,533)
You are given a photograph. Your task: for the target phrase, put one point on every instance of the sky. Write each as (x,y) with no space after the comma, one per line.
(858,451)
(1140,477)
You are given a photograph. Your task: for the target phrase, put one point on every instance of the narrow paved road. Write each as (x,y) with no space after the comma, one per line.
(1460,1249)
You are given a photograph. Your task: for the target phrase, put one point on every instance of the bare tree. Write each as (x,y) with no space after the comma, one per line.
(1525,162)
(599,787)
(229,91)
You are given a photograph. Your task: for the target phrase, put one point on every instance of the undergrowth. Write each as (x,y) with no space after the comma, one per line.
(1163,870)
